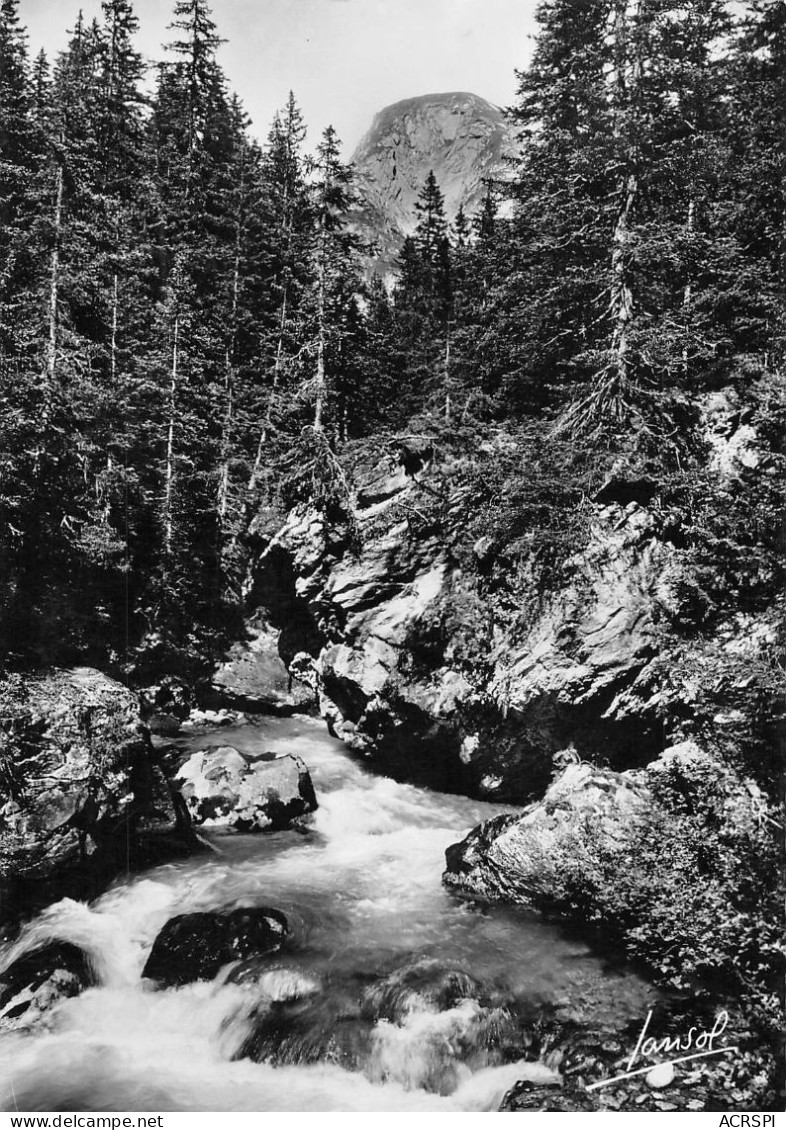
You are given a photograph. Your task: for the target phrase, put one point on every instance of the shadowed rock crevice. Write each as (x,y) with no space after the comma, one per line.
(269,672)
(274,589)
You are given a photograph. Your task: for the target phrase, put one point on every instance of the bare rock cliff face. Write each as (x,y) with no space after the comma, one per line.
(446,672)
(363,605)
(462,138)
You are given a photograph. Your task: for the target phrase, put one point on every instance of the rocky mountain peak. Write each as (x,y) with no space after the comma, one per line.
(461,137)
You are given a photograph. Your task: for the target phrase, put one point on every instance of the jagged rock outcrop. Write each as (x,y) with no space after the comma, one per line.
(224,787)
(362,606)
(393,684)
(462,138)
(448,664)
(165,705)
(82,790)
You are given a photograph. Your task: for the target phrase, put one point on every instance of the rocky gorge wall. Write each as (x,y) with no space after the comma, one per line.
(376,619)
(421,661)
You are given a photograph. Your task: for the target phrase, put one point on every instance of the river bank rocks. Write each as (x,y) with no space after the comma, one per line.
(82,789)
(522,859)
(38,980)
(527,1096)
(194,947)
(713,1085)
(588,815)
(223,787)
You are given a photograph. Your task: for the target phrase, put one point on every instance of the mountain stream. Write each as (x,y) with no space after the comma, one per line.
(394,995)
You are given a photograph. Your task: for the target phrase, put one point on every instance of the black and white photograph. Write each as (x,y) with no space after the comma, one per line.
(392,559)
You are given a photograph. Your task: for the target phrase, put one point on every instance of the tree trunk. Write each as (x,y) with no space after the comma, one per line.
(169,474)
(223,483)
(687,294)
(320,385)
(54,283)
(447,374)
(113,344)
(282,322)
(320,382)
(229,389)
(50,368)
(622,302)
(113,393)
(274,387)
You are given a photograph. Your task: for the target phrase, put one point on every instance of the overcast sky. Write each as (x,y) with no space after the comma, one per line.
(344,59)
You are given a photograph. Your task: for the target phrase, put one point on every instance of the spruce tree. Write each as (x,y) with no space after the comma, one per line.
(424,300)
(288,272)
(16,143)
(332,255)
(195,248)
(756,202)
(621,110)
(20,151)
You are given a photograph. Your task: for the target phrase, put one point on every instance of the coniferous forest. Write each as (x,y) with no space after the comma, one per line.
(187,333)
(194,343)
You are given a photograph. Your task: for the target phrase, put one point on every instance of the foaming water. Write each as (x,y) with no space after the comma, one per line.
(364,897)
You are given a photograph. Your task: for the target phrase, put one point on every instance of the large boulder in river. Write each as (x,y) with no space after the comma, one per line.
(194,947)
(305,1022)
(587,826)
(81,786)
(523,859)
(444,1018)
(38,979)
(222,786)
